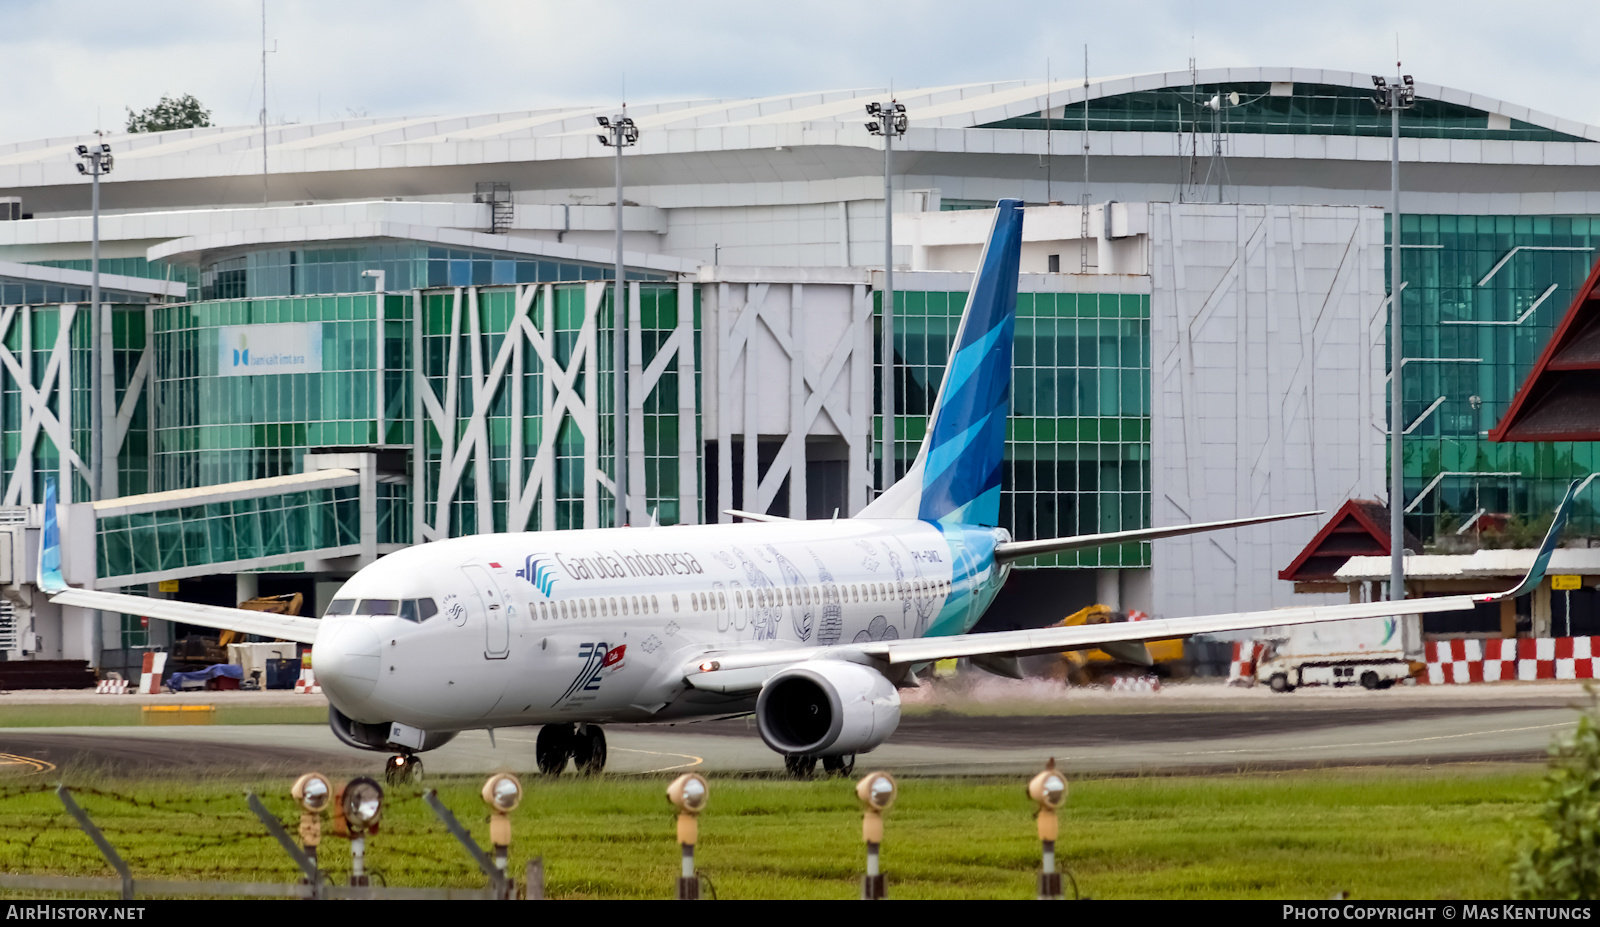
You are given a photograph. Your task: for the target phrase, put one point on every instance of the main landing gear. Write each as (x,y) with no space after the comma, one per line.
(584,744)
(403,769)
(799,766)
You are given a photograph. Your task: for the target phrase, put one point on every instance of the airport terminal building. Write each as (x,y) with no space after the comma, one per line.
(328,341)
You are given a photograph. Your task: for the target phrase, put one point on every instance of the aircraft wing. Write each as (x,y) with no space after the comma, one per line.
(284,627)
(735,671)
(1016,550)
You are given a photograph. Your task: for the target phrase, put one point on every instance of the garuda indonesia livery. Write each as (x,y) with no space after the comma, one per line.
(810,625)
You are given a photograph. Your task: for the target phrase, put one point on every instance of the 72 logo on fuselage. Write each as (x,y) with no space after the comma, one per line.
(599,661)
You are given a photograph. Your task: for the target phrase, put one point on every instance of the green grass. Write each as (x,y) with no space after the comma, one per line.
(1441,833)
(112,715)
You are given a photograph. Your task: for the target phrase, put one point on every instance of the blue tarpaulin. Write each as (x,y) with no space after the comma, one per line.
(229,670)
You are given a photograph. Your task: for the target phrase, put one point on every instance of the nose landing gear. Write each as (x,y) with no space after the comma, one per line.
(403,769)
(584,743)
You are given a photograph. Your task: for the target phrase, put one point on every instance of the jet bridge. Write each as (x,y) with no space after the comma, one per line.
(342,513)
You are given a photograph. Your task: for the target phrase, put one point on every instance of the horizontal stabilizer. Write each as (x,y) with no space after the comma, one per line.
(1016,550)
(283,627)
(754,516)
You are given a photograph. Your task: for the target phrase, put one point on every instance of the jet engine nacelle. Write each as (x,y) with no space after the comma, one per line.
(827,708)
(365,736)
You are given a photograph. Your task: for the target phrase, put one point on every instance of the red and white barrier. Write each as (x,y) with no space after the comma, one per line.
(155,663)
(111,687)
(1136,684)
(1242,670)
(1502,659)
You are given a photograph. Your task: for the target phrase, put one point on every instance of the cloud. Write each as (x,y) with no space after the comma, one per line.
(92,59)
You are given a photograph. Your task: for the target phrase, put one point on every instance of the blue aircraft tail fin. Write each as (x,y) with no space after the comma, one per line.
(956,476)
(50,578)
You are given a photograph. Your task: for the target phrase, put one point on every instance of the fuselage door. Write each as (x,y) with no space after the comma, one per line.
(496,624)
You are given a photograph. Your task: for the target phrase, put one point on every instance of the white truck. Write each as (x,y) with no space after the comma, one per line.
(1367,652)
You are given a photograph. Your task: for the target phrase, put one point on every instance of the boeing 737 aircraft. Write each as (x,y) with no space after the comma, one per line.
(811,625)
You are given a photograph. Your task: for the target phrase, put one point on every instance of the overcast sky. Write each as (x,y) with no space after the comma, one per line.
(69,67)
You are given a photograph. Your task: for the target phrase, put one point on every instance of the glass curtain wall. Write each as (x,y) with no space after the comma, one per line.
(566,311)
(1078,441)
(33,352)
(1481,297)
(1305,109)
(216,427)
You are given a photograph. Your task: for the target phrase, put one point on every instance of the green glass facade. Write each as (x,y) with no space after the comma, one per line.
(212,428)
(1470,288)
(127,267)
(560,309)
(1078,443)
(31,339)
(1311,109)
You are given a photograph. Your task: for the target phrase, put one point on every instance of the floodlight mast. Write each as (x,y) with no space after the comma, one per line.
(620,133)
(888,120)
(93,161)
(1400,95)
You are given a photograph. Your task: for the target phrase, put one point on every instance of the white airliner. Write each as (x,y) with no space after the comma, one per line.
(811,625)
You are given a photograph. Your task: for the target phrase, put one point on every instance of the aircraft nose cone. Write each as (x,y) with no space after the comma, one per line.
(346,661)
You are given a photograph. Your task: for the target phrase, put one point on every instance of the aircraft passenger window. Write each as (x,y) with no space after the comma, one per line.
(378,607)
(654,605)
(340,607)
(722,600)
(635,604)
(674,602)
(563,609)
(614,601)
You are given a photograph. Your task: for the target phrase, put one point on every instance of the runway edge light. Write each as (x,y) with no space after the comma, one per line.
(502,792)
(876,791)
(1048,790)
(358,811)
(312,792)
(689,793)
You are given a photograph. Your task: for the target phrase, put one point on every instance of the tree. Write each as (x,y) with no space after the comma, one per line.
(1563,859)
(183,112)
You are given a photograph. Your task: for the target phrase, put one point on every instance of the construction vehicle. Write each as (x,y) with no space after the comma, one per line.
(1101,664)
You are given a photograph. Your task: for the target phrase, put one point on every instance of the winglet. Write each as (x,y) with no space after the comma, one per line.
(1551,539)
(50,579)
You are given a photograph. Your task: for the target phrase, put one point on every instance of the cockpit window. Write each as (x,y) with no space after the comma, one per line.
(378,607)
(426,609)
(340,607)
(408,609)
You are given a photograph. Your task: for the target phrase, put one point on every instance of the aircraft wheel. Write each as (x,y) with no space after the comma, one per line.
(589,749)
(839,765)
(402,769)
(553,748)
(799,766)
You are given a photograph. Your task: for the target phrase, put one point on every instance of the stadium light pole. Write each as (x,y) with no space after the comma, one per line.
(620,133)
(93,161)
(888,120)
(1393,98)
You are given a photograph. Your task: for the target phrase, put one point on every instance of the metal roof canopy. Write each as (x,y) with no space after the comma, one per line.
(1560,399)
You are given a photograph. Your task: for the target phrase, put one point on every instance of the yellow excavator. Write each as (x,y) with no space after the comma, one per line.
(289,604)
(1091,667)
